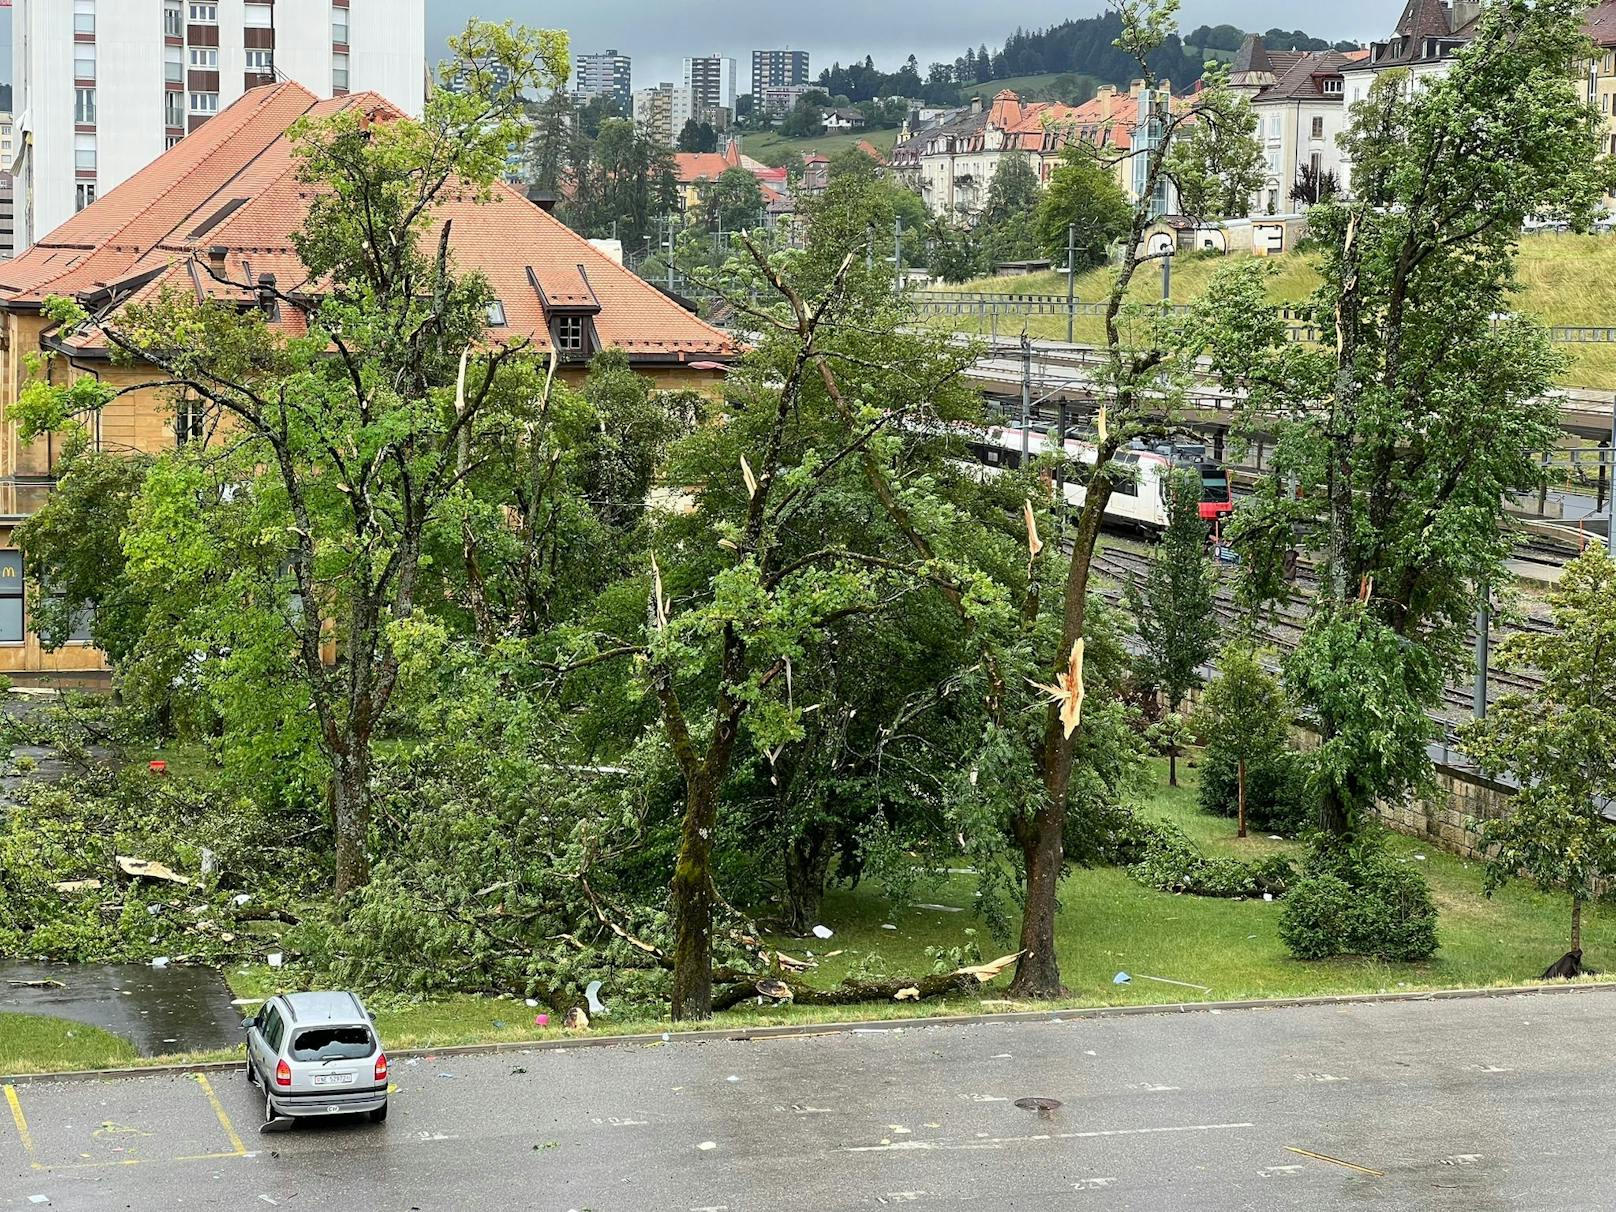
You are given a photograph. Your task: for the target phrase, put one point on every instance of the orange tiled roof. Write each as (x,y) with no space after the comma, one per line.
(232,189)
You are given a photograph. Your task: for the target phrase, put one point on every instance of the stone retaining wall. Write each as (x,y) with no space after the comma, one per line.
(1451,815)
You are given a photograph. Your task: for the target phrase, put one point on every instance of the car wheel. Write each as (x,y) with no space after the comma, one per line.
(379,1115)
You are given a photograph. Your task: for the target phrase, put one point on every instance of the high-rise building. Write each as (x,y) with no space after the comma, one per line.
(777,69)
(103,87)
(712,79)
(606,74)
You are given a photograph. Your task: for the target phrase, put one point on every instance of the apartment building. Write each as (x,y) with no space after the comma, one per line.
(712,79)
(1599,72)
(778,69)
(104,87)
(605,74)
(1428,35)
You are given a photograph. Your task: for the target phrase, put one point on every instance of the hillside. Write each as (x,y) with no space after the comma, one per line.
(1565,280)
(779,151)
(1037,88)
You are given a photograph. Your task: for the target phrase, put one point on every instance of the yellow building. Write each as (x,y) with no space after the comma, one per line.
(215,216)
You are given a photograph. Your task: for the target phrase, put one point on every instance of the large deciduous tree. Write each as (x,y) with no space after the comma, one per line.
(343,445)
(1426,406)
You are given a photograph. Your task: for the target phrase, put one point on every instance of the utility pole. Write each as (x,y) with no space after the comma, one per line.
(1061,507)
(1483,618)
(897,254)
(670,254)
(1610,497)
(1026,394)
(1071,281)
(1167,277)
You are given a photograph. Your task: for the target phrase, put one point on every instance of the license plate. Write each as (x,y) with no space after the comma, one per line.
(333,1079)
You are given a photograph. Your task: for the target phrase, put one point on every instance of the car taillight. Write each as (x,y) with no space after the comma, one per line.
(381,1066)
(283,1073)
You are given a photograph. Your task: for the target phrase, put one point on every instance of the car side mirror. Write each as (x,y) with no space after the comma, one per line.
(247,1024)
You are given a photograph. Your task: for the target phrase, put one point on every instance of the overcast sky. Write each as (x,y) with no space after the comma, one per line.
(659,33)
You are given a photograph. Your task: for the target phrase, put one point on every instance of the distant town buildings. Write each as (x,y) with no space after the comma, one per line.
(712,79)
(103,87)
(773,69)
(1600,70)
(1427,37)
(779,100)
(605,74)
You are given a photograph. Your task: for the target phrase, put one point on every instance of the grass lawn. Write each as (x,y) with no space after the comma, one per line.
(1108,924)
(776,149)
(32,1043)
(1565,280)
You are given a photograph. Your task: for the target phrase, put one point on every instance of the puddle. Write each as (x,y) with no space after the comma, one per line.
(165,1010)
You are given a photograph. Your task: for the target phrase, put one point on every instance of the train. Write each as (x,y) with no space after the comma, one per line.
(1136,501)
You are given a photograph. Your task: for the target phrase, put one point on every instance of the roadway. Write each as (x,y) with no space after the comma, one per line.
(1493,1103)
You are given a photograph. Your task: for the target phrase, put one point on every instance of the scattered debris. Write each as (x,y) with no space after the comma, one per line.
(530,1002)
(541,1020)
(549,1144)
(451,1076)
(1165,981)
(777,990)
(240,899)
(732,1078)
(1121,978)
(276,959)
(792,964)
(823,932)
(888,926)
(576,1020)
(1567,967)
(911,994)
(39,1199)
(78,886)
(988,971)
(147,869)
(707,1144)
(520,1069)
(596,1006)
(271,1202)
(40,984)
(160,961)
(942,908)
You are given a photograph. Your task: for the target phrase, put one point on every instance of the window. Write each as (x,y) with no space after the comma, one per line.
(84,61)
(273,1028)
(204,103)
(84,106)
(1318,128)
(496,314)
(205,57)
(190,422)
(261,61)
(84,153)
(1333,88)
(205,14)
(258,16)
(333,1043)
(339,25)
(569,334)
(171,141)
(173,67)
(174,109)
(173,21)
(83,195)
(84,16)
(11,622)
(339,71)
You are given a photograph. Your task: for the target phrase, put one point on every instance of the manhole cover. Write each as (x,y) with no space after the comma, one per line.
(1038,1104)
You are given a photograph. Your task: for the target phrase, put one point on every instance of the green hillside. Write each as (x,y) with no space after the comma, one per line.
(1565,280)
(778,150)
(1037,88)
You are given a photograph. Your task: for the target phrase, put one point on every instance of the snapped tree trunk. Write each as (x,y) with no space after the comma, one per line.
(1240,779)
(350,810)
(807,865)
(1043,856)
(693,902)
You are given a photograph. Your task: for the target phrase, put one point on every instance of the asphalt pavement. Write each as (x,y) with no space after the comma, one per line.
(1496,1103)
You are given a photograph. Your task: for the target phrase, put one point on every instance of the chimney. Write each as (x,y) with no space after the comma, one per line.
(542,198)
(267,303)
(1106,95)
(217,256)
(976,104)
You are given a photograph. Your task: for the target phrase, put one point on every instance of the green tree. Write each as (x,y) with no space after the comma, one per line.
(697,137)
(1173,606)
(1008,226)
(621,183)
(1083,190)
(1244,715)
(1219,164)
(1559,744)
(348,440)
(733,201)
(1402,438)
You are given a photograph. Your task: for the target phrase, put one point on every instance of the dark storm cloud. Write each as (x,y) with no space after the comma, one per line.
(658,33)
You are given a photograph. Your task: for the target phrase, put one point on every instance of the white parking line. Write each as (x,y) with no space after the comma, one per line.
(996,1142)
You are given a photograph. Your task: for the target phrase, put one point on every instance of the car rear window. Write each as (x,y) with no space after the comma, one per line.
(333,1043)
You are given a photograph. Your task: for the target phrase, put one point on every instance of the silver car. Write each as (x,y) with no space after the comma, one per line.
(317,1054)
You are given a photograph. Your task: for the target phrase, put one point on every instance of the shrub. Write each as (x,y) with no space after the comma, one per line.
(1276,790)
(1359,901)
(1172,863)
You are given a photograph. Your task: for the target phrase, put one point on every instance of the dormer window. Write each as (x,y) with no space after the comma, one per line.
(1333,86)
(570,333)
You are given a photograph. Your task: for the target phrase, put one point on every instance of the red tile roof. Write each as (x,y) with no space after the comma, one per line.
(233,185)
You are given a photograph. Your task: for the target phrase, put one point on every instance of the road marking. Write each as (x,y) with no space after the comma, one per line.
(240,1150)
(995,1142)
(1336,1161)
(18,1118)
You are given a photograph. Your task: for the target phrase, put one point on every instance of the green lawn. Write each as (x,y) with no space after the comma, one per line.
(1565,280)
(776,149)
(1108,924)
(32,1043)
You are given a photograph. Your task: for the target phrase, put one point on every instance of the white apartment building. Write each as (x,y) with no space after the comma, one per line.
(664,110)
(712,79)
(103,87)
(1298,98)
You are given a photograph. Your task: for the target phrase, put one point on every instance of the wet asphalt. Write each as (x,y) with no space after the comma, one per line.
(1498,1103)
(160,1010)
